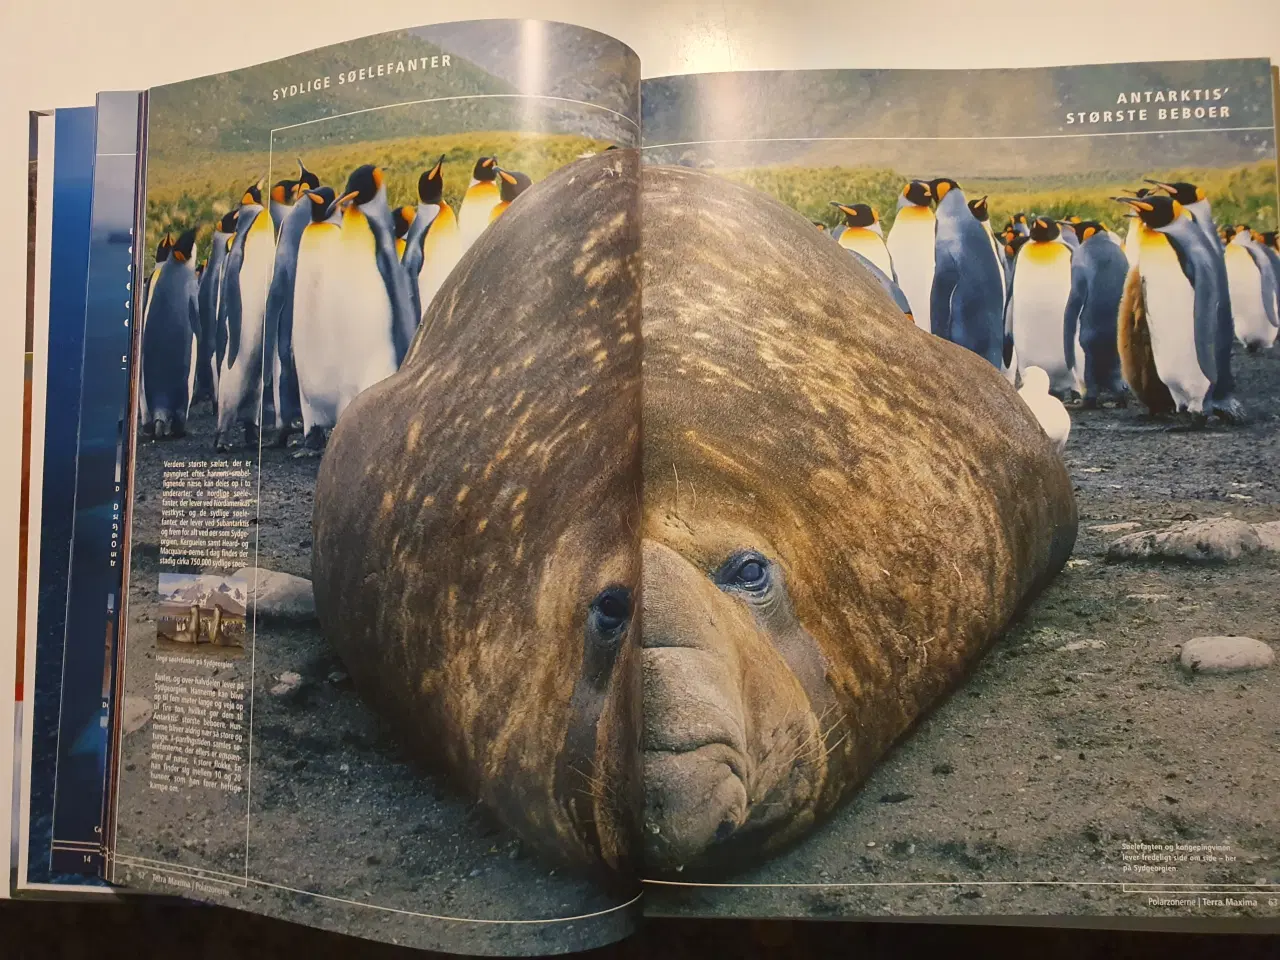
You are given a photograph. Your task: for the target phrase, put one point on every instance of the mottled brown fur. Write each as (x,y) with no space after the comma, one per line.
(909,498)
(470,507)
(1133,339)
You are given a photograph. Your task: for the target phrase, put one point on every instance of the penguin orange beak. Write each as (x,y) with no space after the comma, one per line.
(507,177)
(1167,188)
(346,198)
(1135,203)
(435,171)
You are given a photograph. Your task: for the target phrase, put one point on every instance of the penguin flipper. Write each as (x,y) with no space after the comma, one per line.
(945,278)
(403,324)
(1269,279)
(1071,318)
(231,316)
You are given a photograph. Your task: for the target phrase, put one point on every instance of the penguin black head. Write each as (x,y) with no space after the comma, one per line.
(322,202)
(431,183)
(941,187)
(1269,238)
(1008,232)
(228,222)
(917,192)
(1013,246)
(1020,219)
(856,214)
(512,184)
(1043,229)
(181,252)
(285,191)
(1087,228)
(306,179)
(979,209)
(1185,193)
(162,251)
(252,195)
(402,218)
(486,169)
(1156,210)
(364,184)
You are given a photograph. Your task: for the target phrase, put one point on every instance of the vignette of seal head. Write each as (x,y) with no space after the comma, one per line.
(838,514)
(841,514)
(476,524)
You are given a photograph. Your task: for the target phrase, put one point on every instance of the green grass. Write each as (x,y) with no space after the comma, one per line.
(197,194)
(1244,194)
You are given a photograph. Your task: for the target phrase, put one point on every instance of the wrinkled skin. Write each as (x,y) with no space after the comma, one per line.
(841,514)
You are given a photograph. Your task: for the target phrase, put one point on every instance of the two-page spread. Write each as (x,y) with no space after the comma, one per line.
(793,494)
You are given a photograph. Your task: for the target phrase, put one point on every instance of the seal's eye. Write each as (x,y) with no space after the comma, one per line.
(611,609)
(748,571)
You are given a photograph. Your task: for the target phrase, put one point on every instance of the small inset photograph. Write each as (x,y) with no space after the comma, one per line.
(201,612)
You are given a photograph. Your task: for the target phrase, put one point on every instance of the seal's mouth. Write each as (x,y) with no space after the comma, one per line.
(732,752)
(695,757)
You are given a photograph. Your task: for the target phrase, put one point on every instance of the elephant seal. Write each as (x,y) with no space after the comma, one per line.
(477,516)
(841,513)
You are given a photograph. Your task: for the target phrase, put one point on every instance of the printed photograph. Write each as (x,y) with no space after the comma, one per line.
(400,277)
(960,522)
(196,610)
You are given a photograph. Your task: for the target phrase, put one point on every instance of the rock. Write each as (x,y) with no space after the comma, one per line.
(1226,655)
(289,682)
(1116,527)
(1147,597)
(1216,540)
(1268,534)
(278,595)
(1077,562)
(136,713)
(1075,645)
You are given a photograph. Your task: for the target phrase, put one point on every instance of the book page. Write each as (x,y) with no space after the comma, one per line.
(378,671)
(960,526)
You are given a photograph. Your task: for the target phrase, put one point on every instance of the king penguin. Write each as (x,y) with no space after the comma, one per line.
(862,233)
(162,254)
(1067,231)
(891,288)
(283,194)
(1181,293)
(967,299)
(280,304)
(1020,225)
(911,247)
(1196,205)
(401,221)
(242,307)
(511,183)
(1098,271)
(169,342)
(207,297)
(433,244)
(1253,289)
(478,202)
(982,214)
(377,286)
(1194,201)
(1041,289)
(345,320)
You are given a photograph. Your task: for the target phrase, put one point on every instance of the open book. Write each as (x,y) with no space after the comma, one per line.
(820,493)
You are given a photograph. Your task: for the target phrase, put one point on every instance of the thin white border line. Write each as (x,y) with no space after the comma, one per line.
(190,871)
(1235,887)
(472,96)
(1038,136)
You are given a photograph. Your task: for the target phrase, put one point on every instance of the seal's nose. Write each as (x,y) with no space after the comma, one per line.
(696,766)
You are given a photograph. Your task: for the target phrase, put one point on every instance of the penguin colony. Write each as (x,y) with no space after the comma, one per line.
(1070,310)
(302,301)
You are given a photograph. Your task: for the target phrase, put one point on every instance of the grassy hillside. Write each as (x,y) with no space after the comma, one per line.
(197,194)
(1243,194)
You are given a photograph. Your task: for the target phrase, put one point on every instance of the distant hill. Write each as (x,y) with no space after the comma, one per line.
(792,108)
(236,112)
